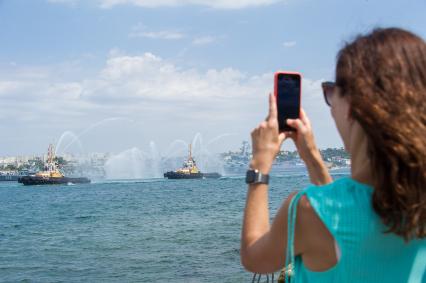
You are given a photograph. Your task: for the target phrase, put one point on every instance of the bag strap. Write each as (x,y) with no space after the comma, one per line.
(289,268)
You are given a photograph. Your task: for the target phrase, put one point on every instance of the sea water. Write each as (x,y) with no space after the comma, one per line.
(154,230)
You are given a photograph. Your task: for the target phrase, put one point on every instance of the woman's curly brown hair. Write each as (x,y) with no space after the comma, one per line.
(384,76)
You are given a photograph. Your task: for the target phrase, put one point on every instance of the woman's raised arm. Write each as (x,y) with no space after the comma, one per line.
(263,245)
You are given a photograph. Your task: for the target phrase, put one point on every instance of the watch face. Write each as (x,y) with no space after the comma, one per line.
(250,176)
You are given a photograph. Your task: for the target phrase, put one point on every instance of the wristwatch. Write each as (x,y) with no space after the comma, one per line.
(253,176)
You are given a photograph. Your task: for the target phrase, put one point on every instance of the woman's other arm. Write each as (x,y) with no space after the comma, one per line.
(305,143)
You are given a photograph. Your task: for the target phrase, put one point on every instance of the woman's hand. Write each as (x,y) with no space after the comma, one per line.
(303,137)
(266,140)
(305,143)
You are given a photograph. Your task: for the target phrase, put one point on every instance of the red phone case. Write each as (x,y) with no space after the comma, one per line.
(276,85)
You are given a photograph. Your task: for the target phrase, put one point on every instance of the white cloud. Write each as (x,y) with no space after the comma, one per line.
(218,4)
(142,31)
(67,2)
(149,76)
(162,34)
(289,44)
(8,86)
(203,40)
(61,1)
(168,100)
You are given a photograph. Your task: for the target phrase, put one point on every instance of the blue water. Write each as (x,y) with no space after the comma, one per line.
(147,231)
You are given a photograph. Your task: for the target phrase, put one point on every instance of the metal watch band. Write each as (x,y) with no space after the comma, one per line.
(253,176)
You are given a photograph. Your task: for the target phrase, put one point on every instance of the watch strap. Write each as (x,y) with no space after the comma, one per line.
(254,176)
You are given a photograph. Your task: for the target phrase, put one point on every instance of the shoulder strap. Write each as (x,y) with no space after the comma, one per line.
(289,270)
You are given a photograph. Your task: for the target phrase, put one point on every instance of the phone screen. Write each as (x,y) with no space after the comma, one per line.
(288,99)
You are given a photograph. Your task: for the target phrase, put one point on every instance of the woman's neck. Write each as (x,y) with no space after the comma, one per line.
(360,162)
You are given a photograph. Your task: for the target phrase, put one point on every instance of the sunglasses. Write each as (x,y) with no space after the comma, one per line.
(328,89)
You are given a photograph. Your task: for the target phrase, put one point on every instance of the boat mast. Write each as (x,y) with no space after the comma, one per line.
(50,158)
(191,161)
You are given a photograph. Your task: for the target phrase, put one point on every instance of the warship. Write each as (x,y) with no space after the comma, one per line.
(12,175)
(51,174)
(190,170)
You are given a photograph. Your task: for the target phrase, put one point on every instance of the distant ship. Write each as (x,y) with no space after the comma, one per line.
(51,174)
(190,170)
(9,176)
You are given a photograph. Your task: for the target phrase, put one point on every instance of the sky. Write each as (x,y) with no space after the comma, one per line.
(121,74)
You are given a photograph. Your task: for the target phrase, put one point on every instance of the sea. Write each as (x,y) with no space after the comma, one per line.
(151,230)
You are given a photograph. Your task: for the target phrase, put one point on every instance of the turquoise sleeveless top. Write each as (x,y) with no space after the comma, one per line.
(366,253)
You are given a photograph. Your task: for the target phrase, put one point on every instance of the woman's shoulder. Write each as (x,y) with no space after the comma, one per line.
(344,197)
(342,187)
(342,182)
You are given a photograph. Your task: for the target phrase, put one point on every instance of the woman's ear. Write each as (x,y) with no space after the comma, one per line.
(348,111)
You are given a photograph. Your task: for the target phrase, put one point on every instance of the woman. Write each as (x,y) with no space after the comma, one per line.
(371,226)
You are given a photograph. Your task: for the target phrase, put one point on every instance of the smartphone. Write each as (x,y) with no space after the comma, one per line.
(287,91)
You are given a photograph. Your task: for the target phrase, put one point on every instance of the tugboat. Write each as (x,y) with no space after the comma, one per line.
(51,174)
(190,170)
